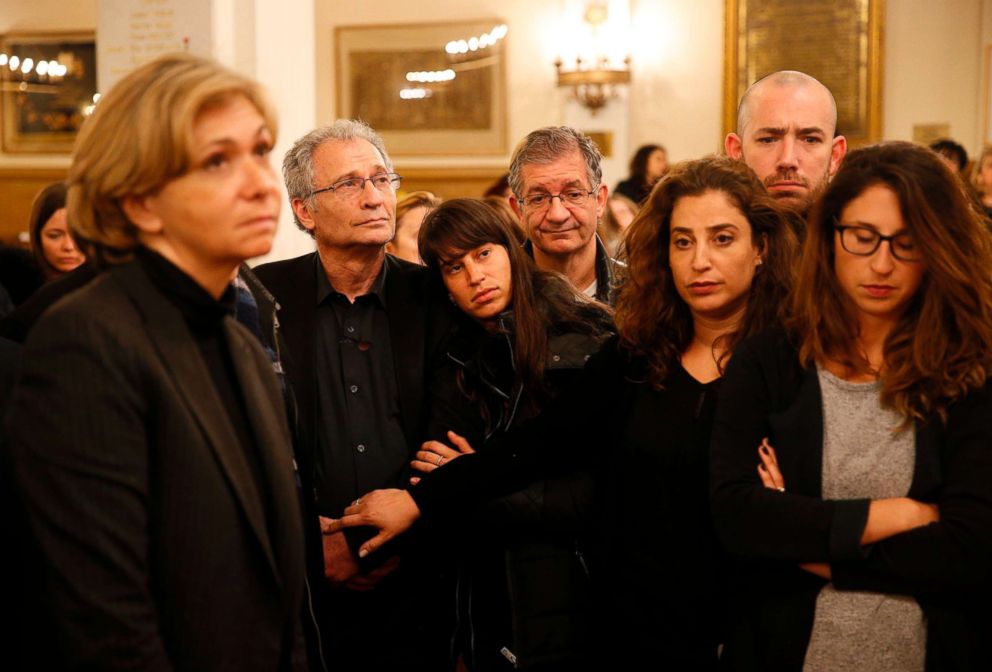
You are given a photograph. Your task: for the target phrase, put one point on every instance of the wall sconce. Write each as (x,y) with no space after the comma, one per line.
(593,81)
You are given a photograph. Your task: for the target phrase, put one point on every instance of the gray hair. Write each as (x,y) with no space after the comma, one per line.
(548,144)
(782,78)
(297,166)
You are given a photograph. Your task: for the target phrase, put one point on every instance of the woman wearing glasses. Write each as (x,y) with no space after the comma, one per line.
(868,526)
(708,263)
(524,337)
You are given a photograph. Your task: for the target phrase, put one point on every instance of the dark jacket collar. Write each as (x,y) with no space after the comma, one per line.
(606,271)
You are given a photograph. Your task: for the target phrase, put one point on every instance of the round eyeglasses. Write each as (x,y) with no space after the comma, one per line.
(352,186)
(863,241)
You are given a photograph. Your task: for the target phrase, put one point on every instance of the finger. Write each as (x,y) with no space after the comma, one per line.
(414,480)
(426,467)
(766,479)
(347,520)
(374,543)
(325,524)
(460,442)
(432,446)
(428,456)
(769,451)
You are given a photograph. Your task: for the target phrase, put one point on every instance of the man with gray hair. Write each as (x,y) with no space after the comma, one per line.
(558,194)
(787,134)
(359,326)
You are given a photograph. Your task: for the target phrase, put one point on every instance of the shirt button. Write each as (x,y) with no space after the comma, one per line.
(354,389)
(556,358)
(351,330)
(360,447)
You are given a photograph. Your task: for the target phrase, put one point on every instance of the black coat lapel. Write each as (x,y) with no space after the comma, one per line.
(264,409)
(181,359)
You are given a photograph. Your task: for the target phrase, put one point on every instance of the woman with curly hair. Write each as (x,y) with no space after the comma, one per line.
(868,526)
(709,262)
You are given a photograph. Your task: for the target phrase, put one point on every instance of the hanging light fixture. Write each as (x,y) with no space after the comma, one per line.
(594,81)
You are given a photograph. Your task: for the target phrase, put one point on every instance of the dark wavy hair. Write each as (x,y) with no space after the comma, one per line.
(653,321)
(543,302)
(940,347)
(639,163)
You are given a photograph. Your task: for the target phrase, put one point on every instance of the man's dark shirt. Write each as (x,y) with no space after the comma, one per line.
(360,440)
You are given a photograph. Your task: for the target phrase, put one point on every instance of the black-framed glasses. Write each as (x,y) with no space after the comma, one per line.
(542,200)
(352,186)
(863,241)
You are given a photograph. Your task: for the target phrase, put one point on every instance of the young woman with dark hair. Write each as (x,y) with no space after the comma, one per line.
(868,526)
(648,165)
(709,262)
(54,248)
(525,336)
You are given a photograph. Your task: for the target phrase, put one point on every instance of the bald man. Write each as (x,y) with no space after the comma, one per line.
(786,133)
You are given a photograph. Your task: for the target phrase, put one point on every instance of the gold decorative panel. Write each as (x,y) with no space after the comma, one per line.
(837,41)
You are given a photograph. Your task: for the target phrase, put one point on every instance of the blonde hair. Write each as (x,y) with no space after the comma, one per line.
(415,199)
(139,138)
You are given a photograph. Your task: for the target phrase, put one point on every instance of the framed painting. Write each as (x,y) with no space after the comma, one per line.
(837,41)
(431,89)
(47,88)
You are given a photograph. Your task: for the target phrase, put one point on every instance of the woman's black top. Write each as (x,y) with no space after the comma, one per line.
(635,190)
(655,561)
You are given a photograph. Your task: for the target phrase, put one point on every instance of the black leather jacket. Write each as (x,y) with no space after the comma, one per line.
(521,585)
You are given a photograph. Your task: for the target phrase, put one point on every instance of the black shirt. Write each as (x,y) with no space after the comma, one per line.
(360,440)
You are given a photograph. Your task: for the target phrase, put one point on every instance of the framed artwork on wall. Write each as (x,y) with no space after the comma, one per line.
(47,88)
(837,41)
(428,89)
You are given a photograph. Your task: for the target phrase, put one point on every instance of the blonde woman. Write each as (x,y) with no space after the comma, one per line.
(148,435)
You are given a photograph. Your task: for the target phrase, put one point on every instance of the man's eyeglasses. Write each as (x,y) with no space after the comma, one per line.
(540,201)
(352,186)
(863,241)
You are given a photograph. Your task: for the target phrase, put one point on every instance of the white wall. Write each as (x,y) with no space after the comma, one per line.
(933,68)
(676,52)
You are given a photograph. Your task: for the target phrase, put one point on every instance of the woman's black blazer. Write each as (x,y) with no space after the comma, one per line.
(946,566)
(161,550)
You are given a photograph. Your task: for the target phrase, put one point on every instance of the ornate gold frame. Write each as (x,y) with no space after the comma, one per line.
(869,91)
(390,42)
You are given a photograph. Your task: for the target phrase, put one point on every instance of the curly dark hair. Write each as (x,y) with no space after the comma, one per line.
(652,320)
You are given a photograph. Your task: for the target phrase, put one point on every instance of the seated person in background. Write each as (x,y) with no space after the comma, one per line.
(648,165)
(982,180)
(500,187)
(866,533)
(522,337)
(952,153)
(175,540)
(410,213)
(57,254)
(52,243)
(617,216)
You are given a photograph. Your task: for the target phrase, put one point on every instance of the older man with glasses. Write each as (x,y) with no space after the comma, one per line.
(359,326)
(556,179)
